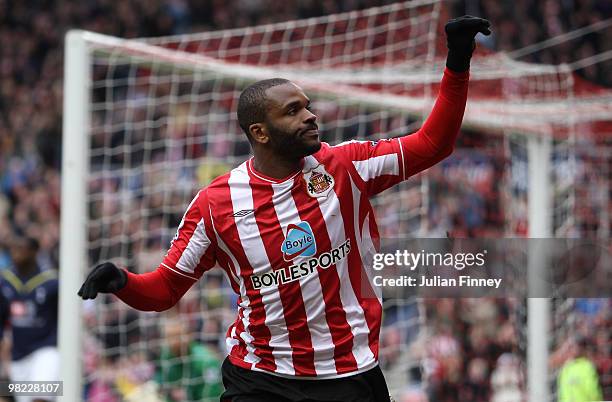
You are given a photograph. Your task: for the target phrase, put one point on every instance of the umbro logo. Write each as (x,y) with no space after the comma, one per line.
(243,212)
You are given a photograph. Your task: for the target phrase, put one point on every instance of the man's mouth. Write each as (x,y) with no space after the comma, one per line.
(310,132)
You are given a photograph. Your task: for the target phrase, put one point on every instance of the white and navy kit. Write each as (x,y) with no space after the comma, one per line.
(31,310)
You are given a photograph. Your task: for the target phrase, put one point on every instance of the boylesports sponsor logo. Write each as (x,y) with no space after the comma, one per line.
(305,268)
(300,241)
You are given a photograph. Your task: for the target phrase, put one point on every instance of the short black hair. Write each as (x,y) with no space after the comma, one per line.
(25,239)
(253,103)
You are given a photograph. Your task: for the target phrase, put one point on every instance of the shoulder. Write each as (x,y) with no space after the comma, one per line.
(350,149)
(343,153)
(586,365)
(46,276)
(576,366)
(237,175)
(219,181)
(212,190)
(8,279)
(218,191)
(325,148)
(326,153)
(44,279)
(217,195)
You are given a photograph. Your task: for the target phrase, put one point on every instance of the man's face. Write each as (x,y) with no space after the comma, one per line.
(21,252)
(291,126)
(178,338)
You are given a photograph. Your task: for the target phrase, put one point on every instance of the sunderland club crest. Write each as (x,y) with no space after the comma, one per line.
(318,182)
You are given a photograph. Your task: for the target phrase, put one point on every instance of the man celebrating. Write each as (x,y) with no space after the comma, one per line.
(291,227)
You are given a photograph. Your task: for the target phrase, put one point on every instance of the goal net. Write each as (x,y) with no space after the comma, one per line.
(149,122)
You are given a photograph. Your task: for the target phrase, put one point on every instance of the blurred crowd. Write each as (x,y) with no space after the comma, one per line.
(474,349)
(521,23)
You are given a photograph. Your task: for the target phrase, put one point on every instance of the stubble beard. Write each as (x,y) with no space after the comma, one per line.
(290,145)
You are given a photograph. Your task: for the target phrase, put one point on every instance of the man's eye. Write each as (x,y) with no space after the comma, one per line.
(291,112)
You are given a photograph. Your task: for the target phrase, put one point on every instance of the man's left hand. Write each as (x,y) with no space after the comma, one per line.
(460,33)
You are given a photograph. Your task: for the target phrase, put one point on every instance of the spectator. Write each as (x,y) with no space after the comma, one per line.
(507,382)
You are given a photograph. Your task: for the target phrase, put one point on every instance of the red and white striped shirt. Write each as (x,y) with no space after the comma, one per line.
(295,249)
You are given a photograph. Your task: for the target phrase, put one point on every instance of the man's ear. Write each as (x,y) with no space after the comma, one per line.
(259,133)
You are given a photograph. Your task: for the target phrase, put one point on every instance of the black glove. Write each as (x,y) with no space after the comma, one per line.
(460,33)
(105,278)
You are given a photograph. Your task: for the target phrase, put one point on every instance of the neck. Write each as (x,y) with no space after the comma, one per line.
(274,165)
(27,269)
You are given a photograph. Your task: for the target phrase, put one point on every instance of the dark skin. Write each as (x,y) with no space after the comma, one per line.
(282,140)
(288,134)
(24,257)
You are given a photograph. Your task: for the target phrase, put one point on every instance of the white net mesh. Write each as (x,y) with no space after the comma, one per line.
(163,125)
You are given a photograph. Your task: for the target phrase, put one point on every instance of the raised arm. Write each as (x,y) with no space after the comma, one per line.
(191,253)
(382,164)
(436,138)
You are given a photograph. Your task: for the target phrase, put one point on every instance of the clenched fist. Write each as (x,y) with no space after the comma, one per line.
(104,278)
(460,33)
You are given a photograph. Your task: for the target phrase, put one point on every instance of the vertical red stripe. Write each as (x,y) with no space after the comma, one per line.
(371,306)
(309,211)
(242,351)
(227,264)
(290,293)
(225,223)
(238,350)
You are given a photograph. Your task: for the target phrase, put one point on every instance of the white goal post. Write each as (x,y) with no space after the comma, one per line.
(73,235)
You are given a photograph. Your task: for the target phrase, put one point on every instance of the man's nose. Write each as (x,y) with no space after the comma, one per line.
(310,117)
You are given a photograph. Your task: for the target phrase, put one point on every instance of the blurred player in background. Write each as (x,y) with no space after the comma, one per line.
(185,361)
(31,313)
(4,356)
(578,380)
(291,227)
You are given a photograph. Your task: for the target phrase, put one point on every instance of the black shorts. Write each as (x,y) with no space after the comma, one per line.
(242,385)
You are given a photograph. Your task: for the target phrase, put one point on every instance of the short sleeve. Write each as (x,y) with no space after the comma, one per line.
(379,164)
